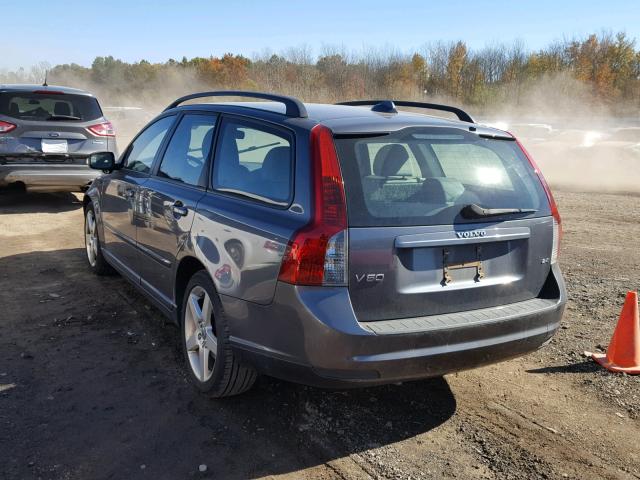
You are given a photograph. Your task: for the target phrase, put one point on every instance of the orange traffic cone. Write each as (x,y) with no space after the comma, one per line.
(623,353)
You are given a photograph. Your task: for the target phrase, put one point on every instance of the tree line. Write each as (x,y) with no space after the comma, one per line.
(605,67)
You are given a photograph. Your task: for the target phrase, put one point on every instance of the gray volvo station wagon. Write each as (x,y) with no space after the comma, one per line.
(332,245)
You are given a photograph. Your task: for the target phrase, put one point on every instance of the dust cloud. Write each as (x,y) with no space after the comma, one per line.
(579,143)
(130,109)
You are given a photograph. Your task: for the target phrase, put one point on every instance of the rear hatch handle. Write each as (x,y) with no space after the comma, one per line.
(462,237)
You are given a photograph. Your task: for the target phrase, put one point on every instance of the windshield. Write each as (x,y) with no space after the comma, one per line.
(49,107)
(426,176)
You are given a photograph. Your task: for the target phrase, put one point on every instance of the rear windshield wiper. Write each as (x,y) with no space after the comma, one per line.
(476,211)
(258,147)
(63,117)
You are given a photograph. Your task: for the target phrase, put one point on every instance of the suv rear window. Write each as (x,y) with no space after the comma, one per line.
(43,106)
(425,176)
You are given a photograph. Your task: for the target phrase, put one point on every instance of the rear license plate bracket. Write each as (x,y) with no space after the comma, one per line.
(447,267)
(59,146)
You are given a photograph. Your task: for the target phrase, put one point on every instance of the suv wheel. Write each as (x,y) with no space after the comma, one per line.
(97,263)
(211,364)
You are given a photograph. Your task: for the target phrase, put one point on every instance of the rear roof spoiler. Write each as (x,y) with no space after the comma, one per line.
(294,108)
(389,106)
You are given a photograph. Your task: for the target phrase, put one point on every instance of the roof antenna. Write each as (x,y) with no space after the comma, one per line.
(46,73)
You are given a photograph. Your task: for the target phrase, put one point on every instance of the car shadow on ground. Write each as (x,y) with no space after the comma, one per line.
(14,201)
(100,390)
(586,366)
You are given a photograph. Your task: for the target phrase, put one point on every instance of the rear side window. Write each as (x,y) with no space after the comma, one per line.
(49,107)
(186,155)
(425,176)
(254,160)
(144,148)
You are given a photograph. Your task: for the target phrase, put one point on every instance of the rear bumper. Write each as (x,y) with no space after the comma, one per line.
(48,177)
(311,336)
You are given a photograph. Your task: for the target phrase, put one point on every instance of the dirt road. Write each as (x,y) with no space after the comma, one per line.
(91,384)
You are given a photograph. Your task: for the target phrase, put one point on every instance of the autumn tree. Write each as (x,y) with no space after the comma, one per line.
(607,66)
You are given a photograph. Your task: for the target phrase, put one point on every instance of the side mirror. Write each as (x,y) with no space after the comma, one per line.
(102,161)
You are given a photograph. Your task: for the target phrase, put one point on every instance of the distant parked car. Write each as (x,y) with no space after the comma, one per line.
(128,121)
(530,133)
(46,135)
(624,138)
(333,245)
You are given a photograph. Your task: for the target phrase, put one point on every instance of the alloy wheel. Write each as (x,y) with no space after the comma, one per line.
(91,237)
(200,339)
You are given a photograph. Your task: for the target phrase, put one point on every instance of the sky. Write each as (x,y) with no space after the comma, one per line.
(76,31)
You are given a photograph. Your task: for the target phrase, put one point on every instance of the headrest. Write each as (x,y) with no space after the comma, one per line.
(14,109)
(62,108)
(277,165)
(206,143)
(389,160)
(229,151)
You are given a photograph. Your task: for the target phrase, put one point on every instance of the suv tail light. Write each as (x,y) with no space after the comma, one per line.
(557,221)
(6,127)
(102,129)
(317,253)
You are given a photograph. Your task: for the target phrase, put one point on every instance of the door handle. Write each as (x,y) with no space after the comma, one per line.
(180,209)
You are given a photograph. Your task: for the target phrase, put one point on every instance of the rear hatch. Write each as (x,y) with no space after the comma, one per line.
(425,233)
(49,126)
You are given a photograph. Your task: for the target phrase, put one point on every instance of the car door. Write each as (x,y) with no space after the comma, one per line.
(172,194)
(243,224)
(121,204)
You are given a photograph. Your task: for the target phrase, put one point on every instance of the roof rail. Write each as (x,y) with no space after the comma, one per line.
(389,106)
(294,107)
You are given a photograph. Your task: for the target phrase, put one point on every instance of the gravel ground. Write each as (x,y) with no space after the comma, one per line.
(92,385)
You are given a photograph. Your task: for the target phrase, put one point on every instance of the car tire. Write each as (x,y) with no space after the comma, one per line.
(205,338)
(97,263)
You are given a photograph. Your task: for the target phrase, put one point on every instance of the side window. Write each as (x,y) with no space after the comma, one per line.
(144,148)
(254,160)
(186,155)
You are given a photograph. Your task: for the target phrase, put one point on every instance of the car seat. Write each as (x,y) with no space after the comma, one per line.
(62,108)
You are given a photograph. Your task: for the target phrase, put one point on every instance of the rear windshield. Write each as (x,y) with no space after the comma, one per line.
(49,107)
(426,176)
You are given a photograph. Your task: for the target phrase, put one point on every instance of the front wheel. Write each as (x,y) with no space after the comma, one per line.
(211,364)
(96,260)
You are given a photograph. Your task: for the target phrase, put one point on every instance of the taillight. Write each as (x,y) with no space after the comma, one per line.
(557,221)
(103,129)
(317,253)
(6,127)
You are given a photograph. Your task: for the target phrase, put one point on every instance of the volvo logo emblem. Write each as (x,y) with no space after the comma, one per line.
(472,234)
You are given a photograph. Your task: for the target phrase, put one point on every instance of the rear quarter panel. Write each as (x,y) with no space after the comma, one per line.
(260,232)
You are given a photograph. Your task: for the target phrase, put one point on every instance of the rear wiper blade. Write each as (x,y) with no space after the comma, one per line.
(258,147)
(63,117)
(476,211)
